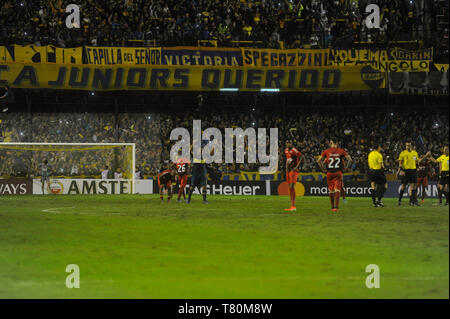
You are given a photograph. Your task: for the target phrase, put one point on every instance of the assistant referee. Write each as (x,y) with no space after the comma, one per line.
(443,161)
(377,178)
(407,170)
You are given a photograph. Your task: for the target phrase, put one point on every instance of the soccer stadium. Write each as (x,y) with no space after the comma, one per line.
(235,149)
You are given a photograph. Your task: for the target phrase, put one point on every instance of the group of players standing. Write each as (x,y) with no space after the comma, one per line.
(177,173)
(334,161)
(415,170)
(412,170)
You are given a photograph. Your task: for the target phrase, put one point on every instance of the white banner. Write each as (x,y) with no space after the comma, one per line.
(92,186)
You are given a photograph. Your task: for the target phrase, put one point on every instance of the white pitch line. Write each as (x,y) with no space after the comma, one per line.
(55,211)
(52,210)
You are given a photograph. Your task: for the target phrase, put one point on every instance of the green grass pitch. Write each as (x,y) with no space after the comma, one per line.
(132,246)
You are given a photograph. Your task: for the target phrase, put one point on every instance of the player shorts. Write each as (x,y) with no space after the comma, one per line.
(377,176)
(423,181)
(166,184)
(182,180)
(164,181)
(198,179)
(410,177)
(291,177)
(334,181)
(443,178)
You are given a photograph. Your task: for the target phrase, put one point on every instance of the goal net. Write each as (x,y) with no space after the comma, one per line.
(113,164)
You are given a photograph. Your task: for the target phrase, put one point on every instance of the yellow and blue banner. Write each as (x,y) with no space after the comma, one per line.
(108,56)
(385,60)
(201,56)
(40,54)
(302,177)
(285,58)
(190,78)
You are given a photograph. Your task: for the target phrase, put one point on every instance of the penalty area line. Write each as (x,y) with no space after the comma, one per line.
(57,210)
(54,210)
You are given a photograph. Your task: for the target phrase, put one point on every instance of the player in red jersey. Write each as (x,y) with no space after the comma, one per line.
(424,171)
(165,180)
(334,160)
(182,166)
(293,159)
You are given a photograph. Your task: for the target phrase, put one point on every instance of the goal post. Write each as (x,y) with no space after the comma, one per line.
(69,161)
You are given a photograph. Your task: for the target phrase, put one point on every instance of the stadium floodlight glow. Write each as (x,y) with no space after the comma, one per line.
(270,90)
(229,89)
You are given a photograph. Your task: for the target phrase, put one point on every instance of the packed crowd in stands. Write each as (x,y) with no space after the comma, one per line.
(309,129)
(298,23)
(80,128)
(357,130)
